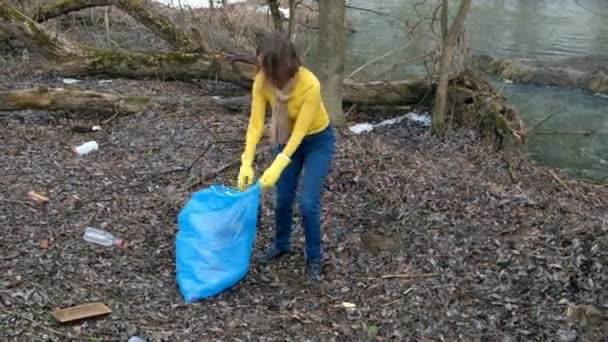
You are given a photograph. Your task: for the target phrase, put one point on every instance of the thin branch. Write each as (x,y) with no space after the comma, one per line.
(589,9)
(379,58)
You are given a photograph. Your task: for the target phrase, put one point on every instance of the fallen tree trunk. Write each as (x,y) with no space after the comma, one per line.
(70,59)
(53,99)
(137,9)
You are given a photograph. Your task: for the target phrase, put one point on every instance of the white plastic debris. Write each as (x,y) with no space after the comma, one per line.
(508,81)
(85,148)
(423,119)
(96,128)
(359,128)
(70,81)
(104,81)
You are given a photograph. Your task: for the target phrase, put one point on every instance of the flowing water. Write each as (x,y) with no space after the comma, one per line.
(575,136)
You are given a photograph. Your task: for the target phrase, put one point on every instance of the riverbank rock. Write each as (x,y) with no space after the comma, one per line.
(587,72)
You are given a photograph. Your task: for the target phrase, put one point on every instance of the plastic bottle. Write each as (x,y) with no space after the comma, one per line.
(102,238)
(85,148)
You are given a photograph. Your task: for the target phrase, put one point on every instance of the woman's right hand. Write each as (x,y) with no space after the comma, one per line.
(245,176)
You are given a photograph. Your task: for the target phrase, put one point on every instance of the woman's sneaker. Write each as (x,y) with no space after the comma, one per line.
(271,254)
(313,269)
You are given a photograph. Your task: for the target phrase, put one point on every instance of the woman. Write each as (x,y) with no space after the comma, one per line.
(304,140)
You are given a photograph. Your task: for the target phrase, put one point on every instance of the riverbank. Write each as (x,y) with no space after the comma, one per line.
(428,239)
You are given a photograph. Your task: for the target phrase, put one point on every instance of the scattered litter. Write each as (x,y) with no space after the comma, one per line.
(423,119)
(80,312)
(101,237)
(70,81)
(368,127)
(348,306)
(361,128)
(37,197)
(44,244)
(85,148)
(507,81)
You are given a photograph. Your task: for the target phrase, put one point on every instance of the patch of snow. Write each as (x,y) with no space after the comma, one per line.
(70,81)
(423,119)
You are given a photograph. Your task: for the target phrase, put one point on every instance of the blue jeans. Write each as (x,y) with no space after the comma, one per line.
(314,155)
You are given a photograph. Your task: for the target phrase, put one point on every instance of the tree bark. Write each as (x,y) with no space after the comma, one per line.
(137,9)
(277,19)
(65,99)
(447,42)
(330,59)
(291,26)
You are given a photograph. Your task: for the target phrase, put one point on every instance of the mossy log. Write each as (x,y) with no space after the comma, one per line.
(53,99)
(137,9)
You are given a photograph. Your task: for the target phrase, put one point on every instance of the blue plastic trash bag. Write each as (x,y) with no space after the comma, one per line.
(217,228)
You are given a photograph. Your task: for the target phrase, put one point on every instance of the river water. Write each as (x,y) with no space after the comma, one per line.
(575,137)
(510,28)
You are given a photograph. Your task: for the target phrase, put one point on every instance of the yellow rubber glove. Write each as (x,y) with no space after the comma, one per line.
(272,174)
(246,174)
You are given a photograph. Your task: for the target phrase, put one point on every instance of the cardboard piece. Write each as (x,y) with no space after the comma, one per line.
(80,312)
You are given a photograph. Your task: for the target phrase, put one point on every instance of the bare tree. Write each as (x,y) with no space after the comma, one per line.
(330,58)
(448,39)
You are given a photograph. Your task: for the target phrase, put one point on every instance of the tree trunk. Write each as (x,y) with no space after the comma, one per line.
(137,9)
(64,99)
(447,42)
(277,19)
(330,59)
(291,26)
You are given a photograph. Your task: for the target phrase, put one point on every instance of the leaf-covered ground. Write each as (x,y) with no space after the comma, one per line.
(430,240)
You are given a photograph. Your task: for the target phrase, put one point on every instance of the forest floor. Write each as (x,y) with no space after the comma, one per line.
(429,239)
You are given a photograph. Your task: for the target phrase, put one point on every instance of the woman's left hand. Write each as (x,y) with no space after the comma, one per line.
(272,174)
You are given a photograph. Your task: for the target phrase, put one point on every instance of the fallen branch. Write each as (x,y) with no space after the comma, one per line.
(561,182)
(66,99)
(409,276)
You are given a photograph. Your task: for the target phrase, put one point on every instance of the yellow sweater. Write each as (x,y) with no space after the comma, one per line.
(307,114)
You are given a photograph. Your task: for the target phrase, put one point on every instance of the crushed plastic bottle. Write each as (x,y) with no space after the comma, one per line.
(101,237)
(85,148)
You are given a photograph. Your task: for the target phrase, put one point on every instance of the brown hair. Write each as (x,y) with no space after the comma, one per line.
(276,57)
